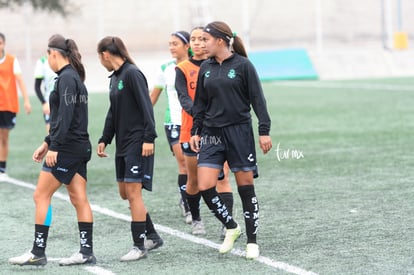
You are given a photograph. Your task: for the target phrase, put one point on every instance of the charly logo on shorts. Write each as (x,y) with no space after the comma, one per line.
(120,85)
(231,74)
(64,170)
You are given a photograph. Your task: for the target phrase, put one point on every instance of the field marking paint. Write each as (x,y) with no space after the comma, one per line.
(98,270)
(361,86)
(92,268)
(173,232)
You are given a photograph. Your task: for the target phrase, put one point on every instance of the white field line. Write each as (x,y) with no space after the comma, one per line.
(173,232)
(360,86)
(94,269)
(98,270)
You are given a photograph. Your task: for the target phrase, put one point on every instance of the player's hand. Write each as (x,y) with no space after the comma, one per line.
(27,107)
(100,150)
(195,143)
(51,158)
(265,143)
(40,152)
(46,108)
(147,149)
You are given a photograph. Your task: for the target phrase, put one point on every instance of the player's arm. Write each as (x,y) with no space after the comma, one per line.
(22,87)
(155,94)
(182,91)
(38,90)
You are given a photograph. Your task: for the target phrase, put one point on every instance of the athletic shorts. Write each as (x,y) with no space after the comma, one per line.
(187,150)
(234,143)
(173,134)
(7,120)
(134,168)
(67,166)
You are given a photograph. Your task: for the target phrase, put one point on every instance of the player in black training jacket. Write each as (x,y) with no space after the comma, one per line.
(227,86)
(66,150)
(130,119)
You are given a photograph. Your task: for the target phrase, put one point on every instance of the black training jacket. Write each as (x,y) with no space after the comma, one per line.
(130,116)
(225,93)
(69,114)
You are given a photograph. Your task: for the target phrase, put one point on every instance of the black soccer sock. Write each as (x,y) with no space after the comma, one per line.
(138,234)
(182,183)
(227,198)
(216,205)
(149,226)
(250,210)
(2,166)
(40,239)
(194,204)
(86,238)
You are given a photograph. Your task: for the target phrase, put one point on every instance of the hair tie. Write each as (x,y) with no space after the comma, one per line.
(234,34)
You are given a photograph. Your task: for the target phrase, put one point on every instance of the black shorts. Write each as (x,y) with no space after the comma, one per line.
(7,120)
(67,166)
(187,150)
(173,134)
(134,168)
(234,143)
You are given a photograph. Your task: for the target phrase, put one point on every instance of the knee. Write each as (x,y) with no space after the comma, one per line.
(78,201)
(123,195)
(130,195)
(39,197)
(36,197)
(3,142)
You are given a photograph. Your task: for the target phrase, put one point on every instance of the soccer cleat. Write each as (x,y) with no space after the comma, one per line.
(134,254)
(231,236)
(197,228)
(252,251)
(188,217)
(3,176)
(222,233)
(29,259)
(78,258)
(153,241)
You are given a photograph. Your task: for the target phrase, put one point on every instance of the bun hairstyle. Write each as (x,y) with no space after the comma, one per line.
(115,46)
(221,30)
(68,48)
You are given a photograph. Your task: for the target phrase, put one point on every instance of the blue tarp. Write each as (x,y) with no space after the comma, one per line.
(287,64)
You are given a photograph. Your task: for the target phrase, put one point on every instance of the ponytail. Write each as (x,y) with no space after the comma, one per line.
(68,49)
(75,58)
(221,30)
(238,46)
(115,46)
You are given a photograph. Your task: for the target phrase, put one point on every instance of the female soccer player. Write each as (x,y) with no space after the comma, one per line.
(130,119)
(227,86)
(66,150)
(165,80)
(185,84)
(10,75)
(43,74)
